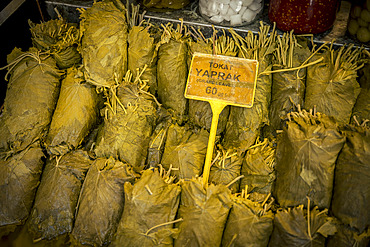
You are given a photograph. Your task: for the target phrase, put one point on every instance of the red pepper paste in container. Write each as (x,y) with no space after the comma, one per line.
(303,16)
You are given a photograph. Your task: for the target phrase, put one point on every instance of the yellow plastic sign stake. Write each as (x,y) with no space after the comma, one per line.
(221,81)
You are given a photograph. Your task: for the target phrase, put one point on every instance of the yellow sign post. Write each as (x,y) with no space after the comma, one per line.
(221,81)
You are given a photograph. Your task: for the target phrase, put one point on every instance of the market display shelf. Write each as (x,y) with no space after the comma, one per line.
(190,16)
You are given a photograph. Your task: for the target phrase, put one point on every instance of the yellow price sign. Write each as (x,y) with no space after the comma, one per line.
(221,81)
(230,80)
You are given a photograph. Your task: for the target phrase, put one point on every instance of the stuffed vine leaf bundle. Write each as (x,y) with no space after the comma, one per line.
(143,42)
(30,100)
(150,209)
(244,124)
(172,71)
(258,169)
(59,38)
(19,179)
(225,169)
(331,85)
(305,160)
(288,87)
(301,227)
(249,224)
(204,213)
(53,213)
(103,29)
(185,151)
(75,114)
(129,121)
(100,203)
(352,185)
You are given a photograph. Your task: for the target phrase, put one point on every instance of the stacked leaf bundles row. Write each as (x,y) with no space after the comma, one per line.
(98,145)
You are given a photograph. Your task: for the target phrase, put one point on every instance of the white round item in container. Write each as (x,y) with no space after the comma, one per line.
(230,12)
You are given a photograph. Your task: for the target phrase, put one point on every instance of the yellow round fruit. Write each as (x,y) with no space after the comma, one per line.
(365,15)
(363,35)
(353,26)
(362,23)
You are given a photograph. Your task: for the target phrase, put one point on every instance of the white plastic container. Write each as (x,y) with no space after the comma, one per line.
(231,12)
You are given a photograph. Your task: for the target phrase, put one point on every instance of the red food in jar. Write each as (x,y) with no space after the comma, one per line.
(303,16)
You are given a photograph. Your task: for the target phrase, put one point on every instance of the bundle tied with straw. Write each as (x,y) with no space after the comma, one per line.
(149,212)
(306,153)
(244,124)
(100,203)
(185,151)
(144,39)
(331,85)
(352,184)
(200,112)
(59,38)
(103,34)
(204,212)
(249,223)
(172,70)
(129,119)
(225,169)
(300,227)
(56,198)
(32,93)
(258,169)
(288,79)
(75,114)
(19,179)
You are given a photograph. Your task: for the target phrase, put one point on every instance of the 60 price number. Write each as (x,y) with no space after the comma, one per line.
(213,91)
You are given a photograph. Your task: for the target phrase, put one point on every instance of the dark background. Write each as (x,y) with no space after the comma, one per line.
(14,32)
